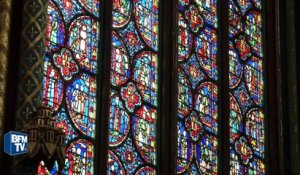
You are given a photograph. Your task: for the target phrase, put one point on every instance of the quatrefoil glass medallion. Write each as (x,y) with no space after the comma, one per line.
(66,64)
(131,97)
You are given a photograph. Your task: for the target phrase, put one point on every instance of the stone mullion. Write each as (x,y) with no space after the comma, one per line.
(31,60)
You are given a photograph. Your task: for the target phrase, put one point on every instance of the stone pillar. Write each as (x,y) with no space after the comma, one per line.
(292,87)
(30,78)
(289,95)
(5,19)
(31,59)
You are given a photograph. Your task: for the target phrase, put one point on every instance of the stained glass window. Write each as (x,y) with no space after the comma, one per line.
(134,88)
(70,82)
(197,87)
(246,87)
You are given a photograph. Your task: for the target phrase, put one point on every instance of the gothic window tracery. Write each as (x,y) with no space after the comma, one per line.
(71,72)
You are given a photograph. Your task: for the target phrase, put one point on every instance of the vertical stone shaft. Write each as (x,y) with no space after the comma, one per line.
(5,20)
(31,59)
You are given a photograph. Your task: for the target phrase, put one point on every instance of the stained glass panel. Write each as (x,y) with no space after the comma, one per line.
(197,88)
(246,88)
(70,82)
(134,88)
(70,85)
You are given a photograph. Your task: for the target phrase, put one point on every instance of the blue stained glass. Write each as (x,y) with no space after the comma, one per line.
(197,89)
(70,79)
(247,137)
(134,88)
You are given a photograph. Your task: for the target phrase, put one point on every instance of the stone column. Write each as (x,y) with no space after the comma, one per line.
(5,19)
(292,86)
(30,78)
(31,59)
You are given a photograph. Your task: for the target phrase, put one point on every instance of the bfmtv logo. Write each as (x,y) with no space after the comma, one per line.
(15,143)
